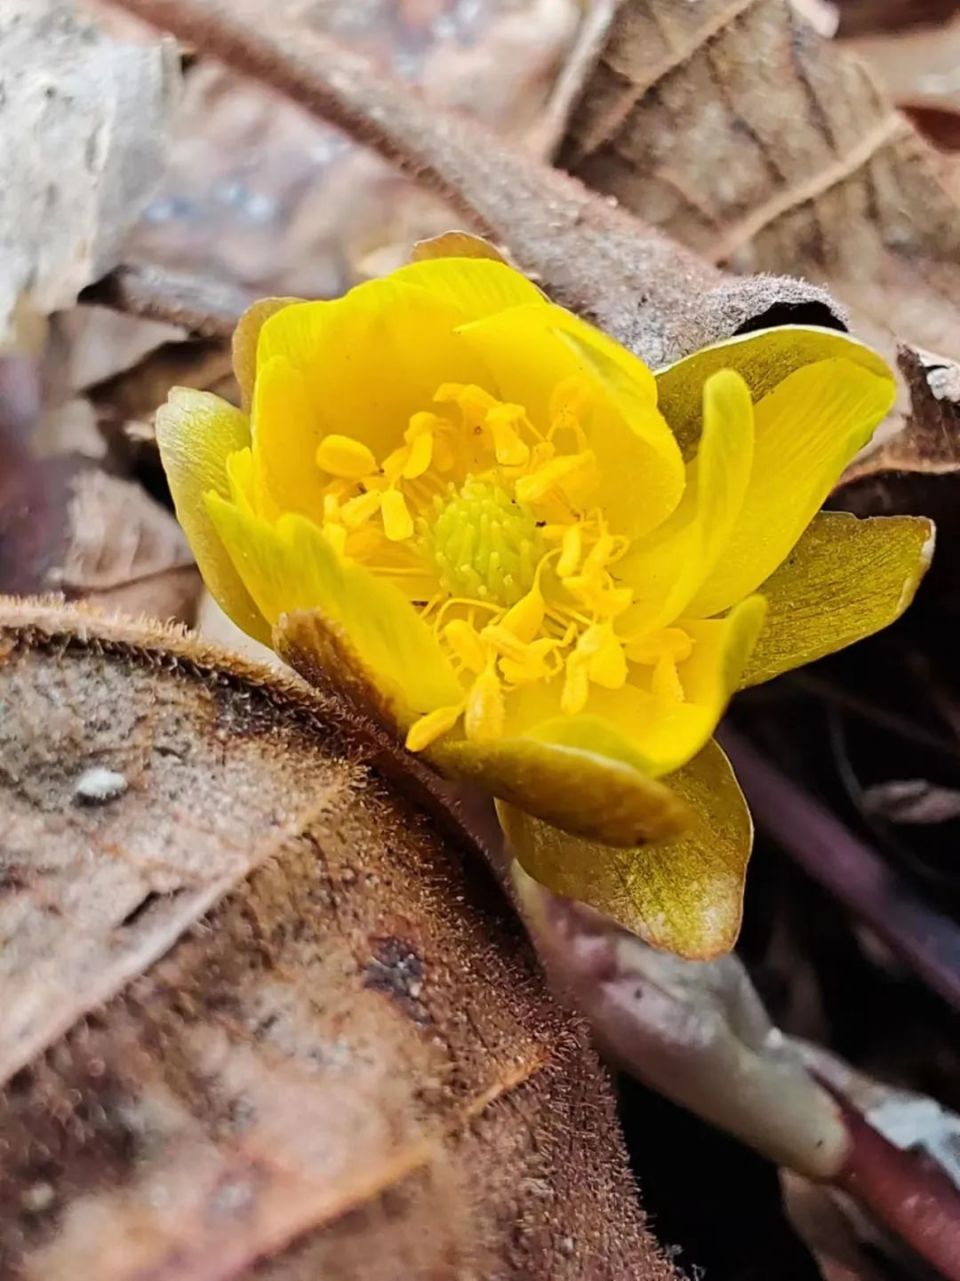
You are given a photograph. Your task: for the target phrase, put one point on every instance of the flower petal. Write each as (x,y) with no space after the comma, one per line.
(583,781)
(246,336)
(668,567)
(845,579)
(289,566)
(807,430)
(196,433)
(662,733)
(476,287)
(684,895)
(530,351)
(763,360)
(362,365)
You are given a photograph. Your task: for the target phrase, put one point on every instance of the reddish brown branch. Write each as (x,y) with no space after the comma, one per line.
(926,940)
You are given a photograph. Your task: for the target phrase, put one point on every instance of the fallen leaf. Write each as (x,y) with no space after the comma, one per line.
(69,527)
(265,1013)
(765,147)
(914,471)
(911,800)
(263,195)
(644,290)
(95,112)
(124,552)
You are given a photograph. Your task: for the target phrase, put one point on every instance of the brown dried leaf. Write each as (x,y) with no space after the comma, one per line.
(644,290)
(914,472)
(763,146)
(263,195)
(264,1012)
(69,527)
(125,552)
(94,111)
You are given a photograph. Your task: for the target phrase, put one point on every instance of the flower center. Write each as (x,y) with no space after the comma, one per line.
(484,543)
(488,522)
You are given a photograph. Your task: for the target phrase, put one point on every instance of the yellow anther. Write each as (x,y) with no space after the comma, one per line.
(346,457)
(419,456)
(432,726)
(356,511)
(607,664)
(397,521)
(465,643)
(484,714)
(525,618)
(571,550)
(576,686)
(564,473)
(599,554)
(572,396)
(665,682)
(532,662)
(672,642)
(503,421)
(472,401)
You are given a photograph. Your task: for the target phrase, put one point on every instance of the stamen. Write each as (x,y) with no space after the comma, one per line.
(484,715)
(559,473)
(465,643)
(429,728)
(503,421)
(356,511)
(665,682)
(397,521)
(571,550)
(346,457)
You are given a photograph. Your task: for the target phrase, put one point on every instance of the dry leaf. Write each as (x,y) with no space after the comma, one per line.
(125,552)
(95,113)
(261,194)
(265,1013)
(645,291)
(914,472)
(69,527)
(763,146)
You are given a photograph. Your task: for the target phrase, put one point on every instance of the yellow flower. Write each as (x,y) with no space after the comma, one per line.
(543,566)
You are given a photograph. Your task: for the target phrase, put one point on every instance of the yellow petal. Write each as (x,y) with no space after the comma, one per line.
(845,579)
(806,431)
(246,336)
(196,433)
(584,781)
(662,733)
(667,568)
(289,566)
(367,363)
(763,359)
(476,287)
(685,894)
(530,351)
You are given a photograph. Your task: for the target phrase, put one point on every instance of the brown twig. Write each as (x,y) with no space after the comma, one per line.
(649,293)
(208,308)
